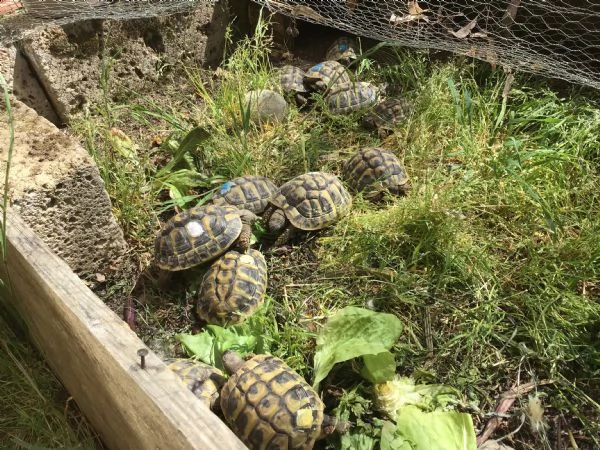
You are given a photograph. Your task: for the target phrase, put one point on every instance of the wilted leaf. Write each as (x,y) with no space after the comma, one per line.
(122,144)
(353,332)
(465,31)
(414,8)
(392,396)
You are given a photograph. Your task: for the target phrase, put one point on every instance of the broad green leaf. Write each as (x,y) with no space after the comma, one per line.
(248,337)
(210,345)
(189,143)
(353,332)
(391,439)
(379,368)
(357,441)
(199,345)
(436,430)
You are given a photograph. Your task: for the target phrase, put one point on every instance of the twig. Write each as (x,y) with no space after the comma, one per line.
(504,404)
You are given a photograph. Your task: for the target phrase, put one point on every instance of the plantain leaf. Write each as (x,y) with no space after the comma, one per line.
(353,332)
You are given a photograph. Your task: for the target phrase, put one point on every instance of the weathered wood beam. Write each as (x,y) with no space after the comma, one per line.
(94,353)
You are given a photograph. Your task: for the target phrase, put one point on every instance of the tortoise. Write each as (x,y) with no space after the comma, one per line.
(386,115)
(291,79)
(326,75)
(200,234)
(348,97)
(343,49)
(249,192)
(233,288)
(270,406)
(373,169)
(203,380)
(310,201)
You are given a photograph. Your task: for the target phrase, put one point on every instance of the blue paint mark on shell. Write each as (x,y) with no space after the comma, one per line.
(343,46)
(226,187)
(316,68)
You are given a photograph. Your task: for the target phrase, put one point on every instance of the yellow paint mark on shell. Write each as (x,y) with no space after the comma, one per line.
(304,418)
(246,259)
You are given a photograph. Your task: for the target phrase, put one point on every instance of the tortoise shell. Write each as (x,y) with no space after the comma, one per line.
(270,406)
(291,79)
(371,165)
(313,200)
(197,235)
(343,49)
(348,97)
(233,288)
(251,192)
(203,380)
(326,75)
(387,113)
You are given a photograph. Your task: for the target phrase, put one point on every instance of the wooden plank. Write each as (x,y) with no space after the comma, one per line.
(94,353)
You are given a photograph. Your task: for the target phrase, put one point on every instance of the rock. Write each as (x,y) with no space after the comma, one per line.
(133,56)
(266,106)
(23,83)
(56,188)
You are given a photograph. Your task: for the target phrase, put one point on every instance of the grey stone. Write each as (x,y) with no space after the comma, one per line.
(57,189)
(23,83)
(266,106)
(135,56)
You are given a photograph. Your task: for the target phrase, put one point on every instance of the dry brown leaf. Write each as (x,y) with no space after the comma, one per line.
(100,278)
(466,30)
(397,20)
(414,9)
(352,4)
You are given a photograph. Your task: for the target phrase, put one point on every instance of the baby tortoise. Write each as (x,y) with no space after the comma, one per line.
(386,115)
(374,170)
(233,288)
(326,75)
(291,79)
(200,234)
(270,406)
(344,49)
(203,380)
(348,97)
(250,192)
(310,201)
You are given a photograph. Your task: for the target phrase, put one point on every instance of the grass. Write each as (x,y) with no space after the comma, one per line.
(492,262)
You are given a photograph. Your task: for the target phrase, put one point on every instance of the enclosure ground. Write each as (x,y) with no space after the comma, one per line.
(491,262)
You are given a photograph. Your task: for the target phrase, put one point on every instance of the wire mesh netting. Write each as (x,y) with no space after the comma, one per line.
(19,19)
(554,38)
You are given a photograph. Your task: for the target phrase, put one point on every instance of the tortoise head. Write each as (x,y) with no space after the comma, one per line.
(332,425)
(276,221)
(248,218)
(232,361)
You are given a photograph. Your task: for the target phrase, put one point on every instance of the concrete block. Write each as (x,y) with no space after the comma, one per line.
(134,55)
(57,189)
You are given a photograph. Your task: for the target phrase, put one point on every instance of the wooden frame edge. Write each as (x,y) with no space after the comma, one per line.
(94,353)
